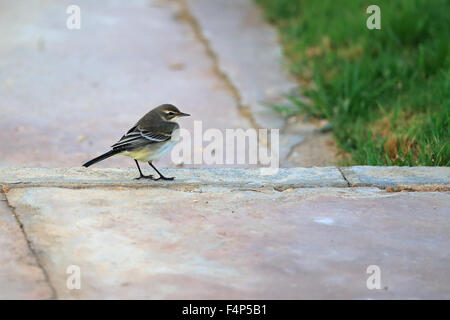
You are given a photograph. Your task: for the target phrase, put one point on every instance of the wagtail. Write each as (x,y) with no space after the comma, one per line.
(154,135)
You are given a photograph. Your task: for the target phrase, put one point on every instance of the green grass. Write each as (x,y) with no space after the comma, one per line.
(386,92)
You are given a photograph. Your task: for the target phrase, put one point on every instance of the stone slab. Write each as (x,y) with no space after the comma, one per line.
(248,53)
(401,177)
(20,275)
(67,95)
(221,243)
(235,178)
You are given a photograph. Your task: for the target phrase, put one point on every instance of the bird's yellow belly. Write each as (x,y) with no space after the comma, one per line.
(150,152)
(141,154)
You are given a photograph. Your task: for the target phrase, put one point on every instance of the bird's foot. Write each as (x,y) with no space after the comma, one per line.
(165,178)
(146,177)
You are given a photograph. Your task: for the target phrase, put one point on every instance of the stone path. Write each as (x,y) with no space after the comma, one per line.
(67,95)
(225,233)
(215,233)
(21,276)
(248,57)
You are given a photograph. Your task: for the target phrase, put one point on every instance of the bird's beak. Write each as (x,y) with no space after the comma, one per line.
(182,114)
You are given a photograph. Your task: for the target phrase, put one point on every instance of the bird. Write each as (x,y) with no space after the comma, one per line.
(155,134)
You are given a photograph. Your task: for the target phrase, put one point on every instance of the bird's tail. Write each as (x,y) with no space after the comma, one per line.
(102,157)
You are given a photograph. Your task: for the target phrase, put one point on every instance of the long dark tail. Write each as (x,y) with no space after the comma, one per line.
(102,157)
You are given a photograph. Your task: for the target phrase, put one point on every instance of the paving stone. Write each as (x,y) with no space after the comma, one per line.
(67,95)
(311,151)
(20,275)
(240,244)
(405,177)
(78,91)
(249,54)
(88,177)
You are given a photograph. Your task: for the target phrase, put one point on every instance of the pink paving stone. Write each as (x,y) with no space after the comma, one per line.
(225,243)
(249,53)
(67,95)
(20,276)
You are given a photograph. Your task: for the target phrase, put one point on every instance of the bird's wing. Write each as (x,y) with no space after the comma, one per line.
(138,136)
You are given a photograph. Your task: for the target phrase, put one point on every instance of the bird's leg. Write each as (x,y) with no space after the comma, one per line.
(141,176)
(160,175)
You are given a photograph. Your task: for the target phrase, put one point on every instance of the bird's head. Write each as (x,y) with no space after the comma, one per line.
(169,112)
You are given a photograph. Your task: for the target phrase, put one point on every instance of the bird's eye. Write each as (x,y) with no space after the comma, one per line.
(170,113)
